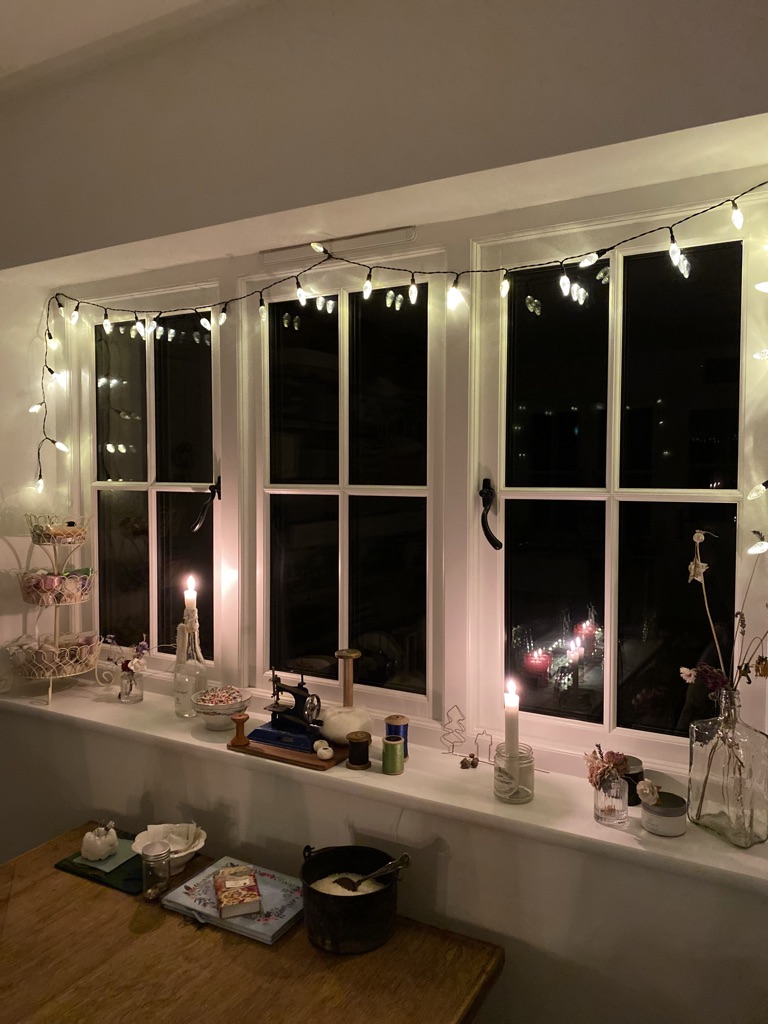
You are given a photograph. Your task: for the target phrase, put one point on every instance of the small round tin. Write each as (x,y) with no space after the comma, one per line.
(667,817)
(634,775)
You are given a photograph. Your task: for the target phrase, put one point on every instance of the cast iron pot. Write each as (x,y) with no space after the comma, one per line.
(348,924)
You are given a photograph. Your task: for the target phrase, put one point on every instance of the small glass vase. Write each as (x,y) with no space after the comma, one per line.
(728,775)
(612,803)
(131,688)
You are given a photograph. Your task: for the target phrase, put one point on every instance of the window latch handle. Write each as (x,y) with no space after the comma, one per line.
(214,492)
(488,495)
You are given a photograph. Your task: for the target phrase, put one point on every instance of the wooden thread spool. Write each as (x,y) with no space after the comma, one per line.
(346,674)
(358,750)
(392,760)
(240,740)
(397,725)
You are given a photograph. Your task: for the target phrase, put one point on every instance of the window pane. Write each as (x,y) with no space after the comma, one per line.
(181,553)
(388,591)
(662,619)
(304,583)
(557,374)
(388,388)
(183,408)
(555,570)
(680,375)
(123,565)
(304,392)
(121,404)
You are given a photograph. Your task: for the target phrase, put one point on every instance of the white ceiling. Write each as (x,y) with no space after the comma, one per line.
(40,34)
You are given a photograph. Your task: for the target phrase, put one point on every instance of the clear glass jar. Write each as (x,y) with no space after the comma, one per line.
(612,802)
(728,775)
(131,688)
(189,676)
(155,869)
(513,778)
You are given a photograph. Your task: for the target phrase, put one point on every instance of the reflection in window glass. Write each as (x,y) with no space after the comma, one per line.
(181,553)
(121,404)
(304,392)
(304,583)
(123,566)
(680,375)
(557,378)
(388,591)
(554,587)
(388,388)
(662,619)
(183,400)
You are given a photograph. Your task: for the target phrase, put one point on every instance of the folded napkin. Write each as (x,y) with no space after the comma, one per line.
(178,837)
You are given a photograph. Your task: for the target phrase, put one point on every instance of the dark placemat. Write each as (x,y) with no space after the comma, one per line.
(126,877)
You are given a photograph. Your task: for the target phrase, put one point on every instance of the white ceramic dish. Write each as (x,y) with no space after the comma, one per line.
(178,860)
(217,716)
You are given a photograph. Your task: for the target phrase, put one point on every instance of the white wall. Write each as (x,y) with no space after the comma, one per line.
(587,937)
(302,102)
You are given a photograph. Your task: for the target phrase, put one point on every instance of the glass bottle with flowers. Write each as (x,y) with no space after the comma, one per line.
(606,772)
(728,762)
(131,668)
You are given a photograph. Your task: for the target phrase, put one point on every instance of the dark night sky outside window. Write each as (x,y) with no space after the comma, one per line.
(181,553)
(123,560)
(557,379)
(121,404)
(680,380)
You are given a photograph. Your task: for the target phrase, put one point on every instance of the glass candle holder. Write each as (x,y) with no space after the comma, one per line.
(611,803)
(513,778)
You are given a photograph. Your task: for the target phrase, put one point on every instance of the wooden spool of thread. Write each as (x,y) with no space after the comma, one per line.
(346,673)
(358,750)
(240,740)
(397,725)
(392,760)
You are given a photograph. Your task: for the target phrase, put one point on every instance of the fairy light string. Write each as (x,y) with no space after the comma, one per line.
(453,296)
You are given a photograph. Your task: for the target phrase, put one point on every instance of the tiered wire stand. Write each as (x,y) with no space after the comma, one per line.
(55,655)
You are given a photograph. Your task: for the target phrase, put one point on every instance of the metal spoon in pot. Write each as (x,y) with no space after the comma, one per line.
(353,884)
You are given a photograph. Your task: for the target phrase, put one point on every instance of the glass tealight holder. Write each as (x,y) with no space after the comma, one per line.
(611,803)
(513,778)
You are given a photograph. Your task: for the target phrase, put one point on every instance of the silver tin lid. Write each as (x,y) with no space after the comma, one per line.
(669,805)
(156,851)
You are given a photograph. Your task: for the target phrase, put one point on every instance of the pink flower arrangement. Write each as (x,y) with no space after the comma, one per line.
(603,768)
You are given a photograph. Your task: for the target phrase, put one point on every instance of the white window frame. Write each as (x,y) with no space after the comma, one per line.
(424,710)
(571,737)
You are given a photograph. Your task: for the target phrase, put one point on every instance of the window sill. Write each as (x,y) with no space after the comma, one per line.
(433,783)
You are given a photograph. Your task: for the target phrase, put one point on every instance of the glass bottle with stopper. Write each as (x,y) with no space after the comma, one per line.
(189,676)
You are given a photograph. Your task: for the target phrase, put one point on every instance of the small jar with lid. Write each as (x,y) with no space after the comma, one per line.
(667,817)
(634,774)
(155,869)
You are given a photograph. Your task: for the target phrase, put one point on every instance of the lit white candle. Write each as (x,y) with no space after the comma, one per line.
(190,594)
(512,722)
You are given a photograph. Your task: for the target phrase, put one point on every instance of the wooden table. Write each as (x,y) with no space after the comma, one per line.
(74,952)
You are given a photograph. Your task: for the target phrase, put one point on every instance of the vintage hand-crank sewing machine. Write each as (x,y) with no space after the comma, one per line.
(295,717)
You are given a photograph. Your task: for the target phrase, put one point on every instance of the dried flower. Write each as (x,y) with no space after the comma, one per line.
(604,768)
(647,792)
(688,674)
(133,664)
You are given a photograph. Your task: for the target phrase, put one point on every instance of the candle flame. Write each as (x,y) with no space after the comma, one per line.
(511,688)
(190,582)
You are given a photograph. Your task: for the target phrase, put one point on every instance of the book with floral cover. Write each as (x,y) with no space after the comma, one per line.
(281,902)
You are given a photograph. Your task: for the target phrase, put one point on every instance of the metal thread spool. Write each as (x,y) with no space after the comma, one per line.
(358,750)
(392,755)
(397,725)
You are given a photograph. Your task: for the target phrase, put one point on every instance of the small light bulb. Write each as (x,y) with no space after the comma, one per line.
(368,286)
(506,284)
(684,266)
(762,286)
(674,248)
(61,446)
(319,247)
(399,302)
(413,290)
(575,292)
(52,342)
(205,323)
(262,308)
(171,333)
(110,447)
(589,259)
(762,354)
(757,490)
(301,295)
(36,407)
(736,215)
(330,305)
(453,297)
(223,315)
(40,484)
(151,327)
(75,314)
(106,325)
(160,330)
(320,302)
(758,547)
(122,449)
(62,311)
(582,297)
(389,298)
(138,325)
(565,281)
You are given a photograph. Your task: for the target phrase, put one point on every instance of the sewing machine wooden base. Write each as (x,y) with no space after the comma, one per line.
(242,745)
